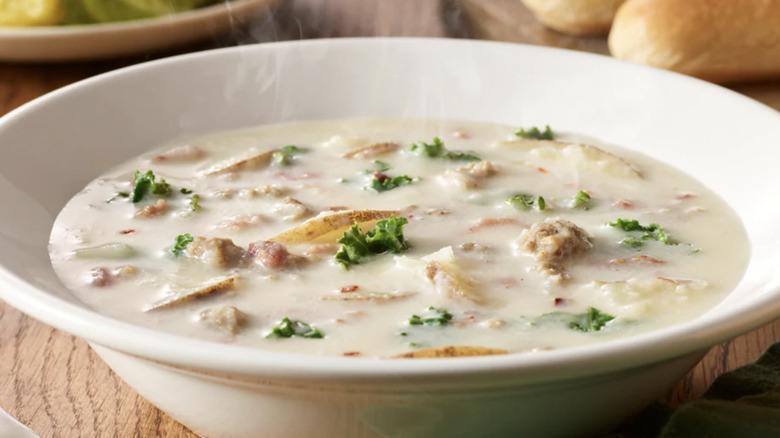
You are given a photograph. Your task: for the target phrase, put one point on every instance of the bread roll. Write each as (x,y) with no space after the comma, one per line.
(716,40)
(575,17)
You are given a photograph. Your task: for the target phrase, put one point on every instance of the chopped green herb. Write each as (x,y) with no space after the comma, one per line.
(182,240)
(288,328)
(118,195)
(185,191)
(534,133)
(194,205)
(581,201)
(383,183)
(386,236)
(435,316)
(284,156)
(381,166)
(527,202)
(437,150)
(592,320)
(649,232)
(144,183)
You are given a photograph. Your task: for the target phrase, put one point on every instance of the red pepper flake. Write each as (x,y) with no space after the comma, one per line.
(351,353)
(347,289)
(542,169)
(128,231)
(559,301)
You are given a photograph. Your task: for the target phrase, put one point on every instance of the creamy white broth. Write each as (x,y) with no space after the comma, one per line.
(645,289)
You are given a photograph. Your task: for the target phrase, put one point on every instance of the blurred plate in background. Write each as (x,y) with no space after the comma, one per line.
(127,38)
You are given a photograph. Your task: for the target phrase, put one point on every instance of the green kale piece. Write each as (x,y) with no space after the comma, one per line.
(436,149)
(534,133)
(581,201)
(182,240)
(527,202)
(288,328)
(383,183)
(194,202)
(592,320)
(437,317)
(649,232)
(284,156)
(144,183)
(386,236)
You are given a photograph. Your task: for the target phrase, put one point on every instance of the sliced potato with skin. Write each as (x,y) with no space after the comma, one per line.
(370,296)
(181,297)
(451,351)
(584,157)
(251,161)
(327,228)
(447,277)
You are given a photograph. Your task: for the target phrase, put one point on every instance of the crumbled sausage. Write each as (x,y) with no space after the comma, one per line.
(272,255)
(266,190)
(99,277)
(472,175)
(293,209)
(223,317)
(179,154)
(216,251)
(371,151)
(552,241)
(153,210)
(240,223)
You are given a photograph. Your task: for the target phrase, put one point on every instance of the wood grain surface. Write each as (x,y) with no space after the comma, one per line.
(55,384)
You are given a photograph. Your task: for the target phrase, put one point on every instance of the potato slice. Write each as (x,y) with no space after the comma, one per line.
(379,297)
(327,228)
(584,157)
(371,151)
(187,295)
(451,351)
(447,277)
(250,161)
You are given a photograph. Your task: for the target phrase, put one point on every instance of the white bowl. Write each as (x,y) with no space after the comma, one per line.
(53,146)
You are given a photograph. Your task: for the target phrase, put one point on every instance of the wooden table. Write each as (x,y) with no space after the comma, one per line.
(54,383)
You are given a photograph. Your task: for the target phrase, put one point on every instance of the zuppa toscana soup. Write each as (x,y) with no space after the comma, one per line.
(398,238)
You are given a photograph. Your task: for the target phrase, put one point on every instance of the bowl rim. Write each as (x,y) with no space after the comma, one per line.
(177,350)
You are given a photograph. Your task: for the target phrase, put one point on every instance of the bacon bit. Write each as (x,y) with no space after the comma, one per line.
(461,134)
(637,260)
(468,321)
(336,208)
(559,301)
(682,196)
(492,222)
(381,177)
(495,323)
(624,204)
(296,176)
(542,169)
(99,277)
(508,283)
(347,289)
(351,353)
(156,209)
(339,321)
(128,231)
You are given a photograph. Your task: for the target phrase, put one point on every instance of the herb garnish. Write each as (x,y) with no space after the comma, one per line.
(437,150)
(383,183)
(534,133)
(527,202)
(581,201)
(194,205)
(288,328)
(118,195)
(182,240)
(381,166)
(649,232)
(284,156)
(435,316)
(185,191)
(145,183)
(592,320)
(386,236)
